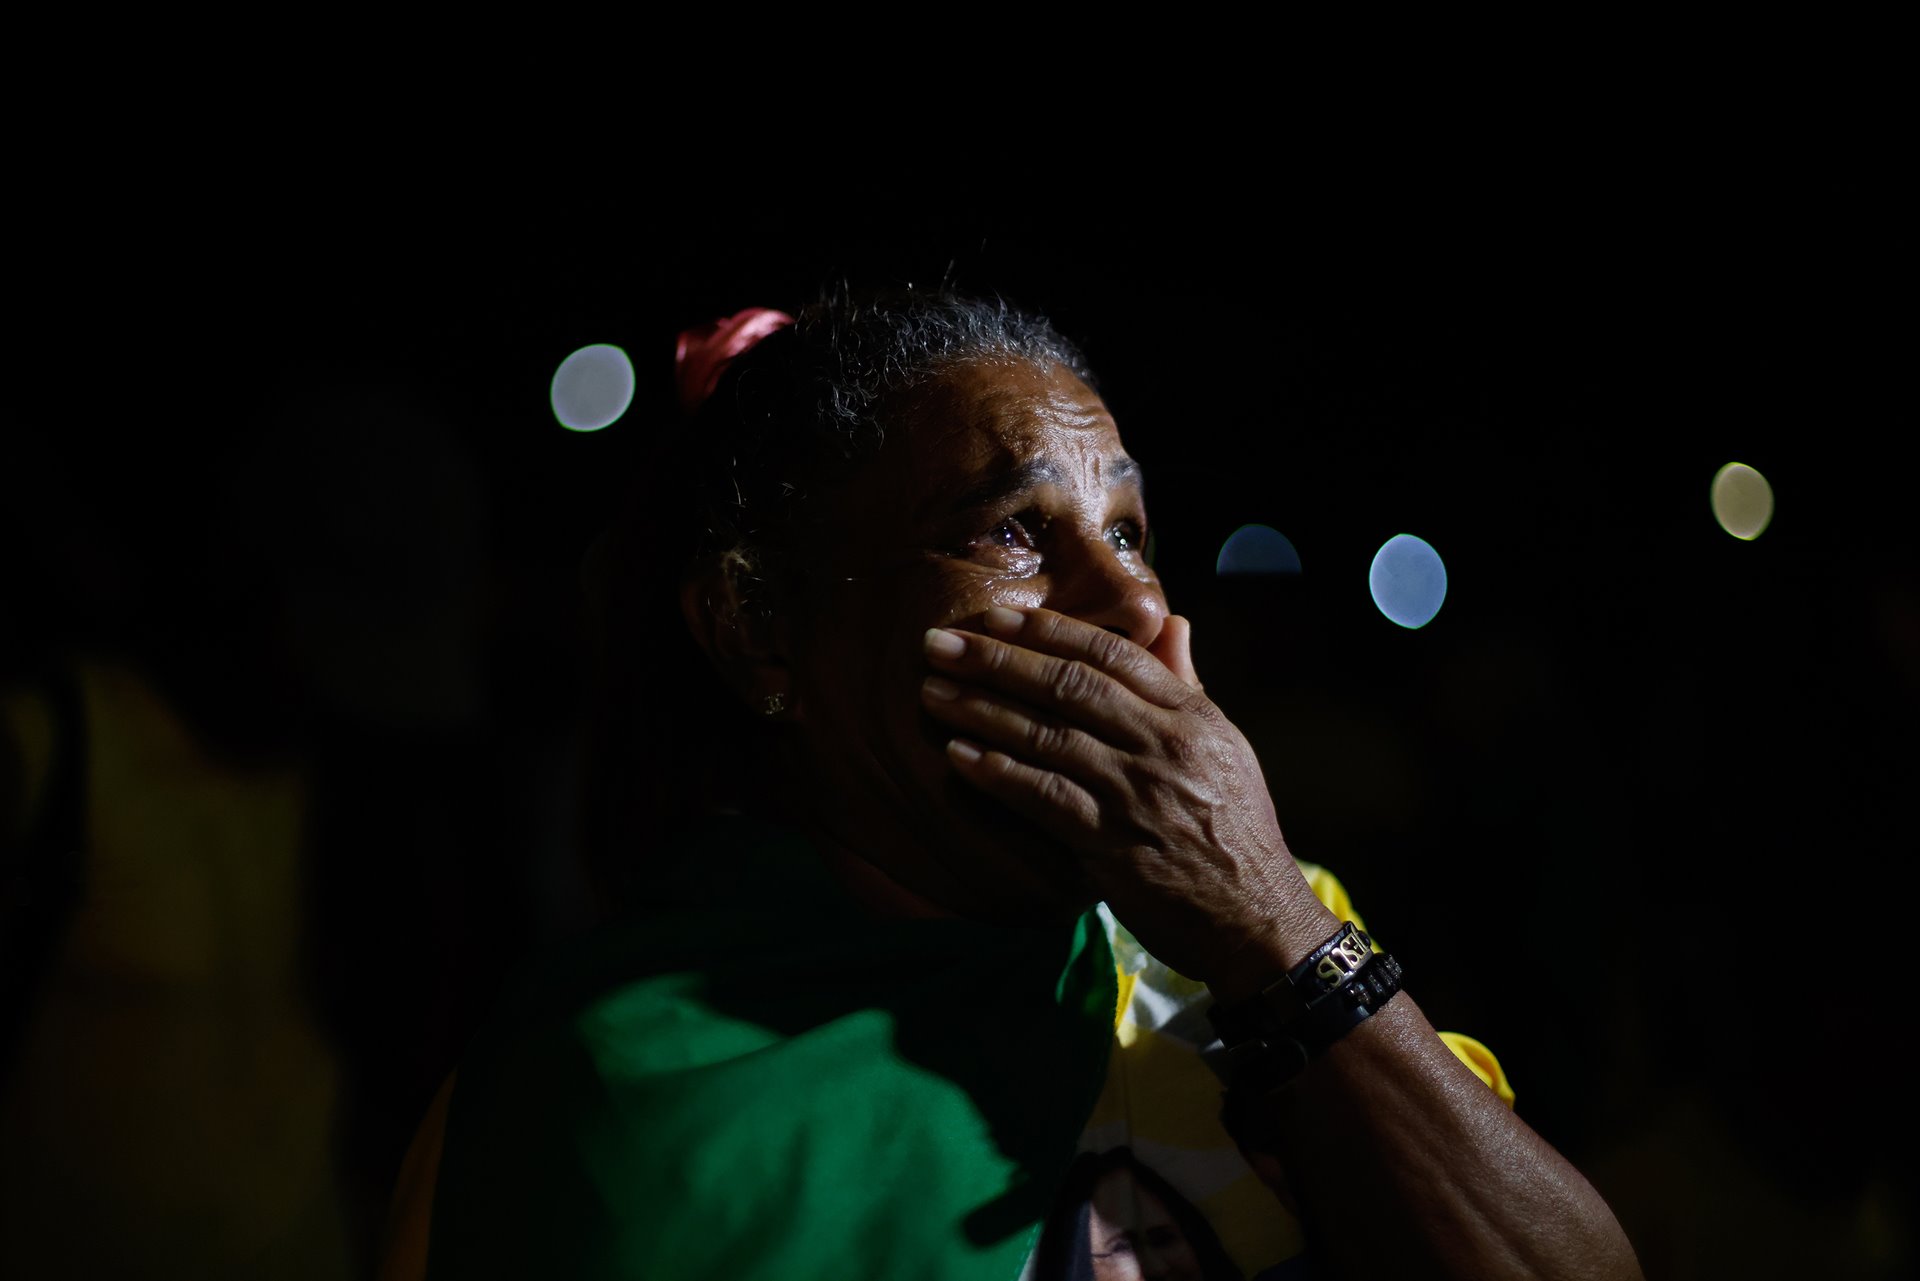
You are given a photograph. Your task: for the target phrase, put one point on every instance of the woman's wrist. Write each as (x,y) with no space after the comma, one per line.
(1286,938)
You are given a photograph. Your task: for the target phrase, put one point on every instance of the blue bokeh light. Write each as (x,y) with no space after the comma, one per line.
(1256,551)
(1407,580)
(592,387)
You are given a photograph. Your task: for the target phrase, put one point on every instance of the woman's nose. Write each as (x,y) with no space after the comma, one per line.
(1099,585)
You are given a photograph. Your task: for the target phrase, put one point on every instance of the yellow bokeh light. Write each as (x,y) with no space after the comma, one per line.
(1742,500)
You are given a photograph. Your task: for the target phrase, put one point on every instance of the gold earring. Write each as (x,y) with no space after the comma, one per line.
(773,704)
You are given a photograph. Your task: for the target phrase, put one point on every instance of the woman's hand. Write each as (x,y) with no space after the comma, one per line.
(1113,750)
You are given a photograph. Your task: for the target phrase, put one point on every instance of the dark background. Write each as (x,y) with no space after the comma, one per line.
(1632,809)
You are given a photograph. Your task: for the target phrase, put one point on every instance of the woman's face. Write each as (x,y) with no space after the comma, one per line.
(1004,485)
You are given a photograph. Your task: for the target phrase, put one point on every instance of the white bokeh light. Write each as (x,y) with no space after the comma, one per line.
(1408,580)
(592,387)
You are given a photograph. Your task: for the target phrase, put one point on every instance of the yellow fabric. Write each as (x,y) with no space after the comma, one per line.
(1333,895)
(1480,1060)
(171,1110)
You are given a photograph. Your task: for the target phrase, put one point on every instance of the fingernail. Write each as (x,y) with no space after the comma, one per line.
(941,688)
(942,643)
(961,750)
(1002,619)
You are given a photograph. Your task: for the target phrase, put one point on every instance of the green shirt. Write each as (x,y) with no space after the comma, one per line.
(759,1081)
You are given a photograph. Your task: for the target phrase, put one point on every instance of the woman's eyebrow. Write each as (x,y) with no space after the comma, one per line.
(1124,471)
(1035,472)
(1030,474)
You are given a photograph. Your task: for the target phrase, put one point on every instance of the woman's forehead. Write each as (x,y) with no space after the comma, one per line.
(980,420)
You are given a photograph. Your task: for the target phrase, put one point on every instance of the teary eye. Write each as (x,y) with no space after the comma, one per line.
(1008,533)
(1011,545)
(1019,531)
(1127,536)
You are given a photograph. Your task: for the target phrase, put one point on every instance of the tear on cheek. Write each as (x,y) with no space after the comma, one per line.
(1011,595)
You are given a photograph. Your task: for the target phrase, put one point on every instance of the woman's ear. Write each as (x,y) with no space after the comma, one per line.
(744,644)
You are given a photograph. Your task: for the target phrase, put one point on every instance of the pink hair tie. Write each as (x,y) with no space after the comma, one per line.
(705,351)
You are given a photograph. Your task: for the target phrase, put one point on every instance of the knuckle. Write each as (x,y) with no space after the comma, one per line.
(1107,650)
(1200,707)
(1060,795)
(1045,739)
(1072,682)
(996,657)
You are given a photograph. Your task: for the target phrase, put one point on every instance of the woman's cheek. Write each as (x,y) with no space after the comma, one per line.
(1016,593)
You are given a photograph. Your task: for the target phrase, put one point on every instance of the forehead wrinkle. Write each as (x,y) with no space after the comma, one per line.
(1031,457)
(1011,431)
(1073,406)
(1001,398)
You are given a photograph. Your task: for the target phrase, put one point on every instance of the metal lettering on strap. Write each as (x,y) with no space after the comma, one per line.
(1348,954)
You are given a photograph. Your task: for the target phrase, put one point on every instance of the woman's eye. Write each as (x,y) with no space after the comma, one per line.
(1016,532)
(1008,533)
(1024,533)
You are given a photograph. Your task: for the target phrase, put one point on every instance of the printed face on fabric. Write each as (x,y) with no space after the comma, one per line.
(999,484)
(1132,1235)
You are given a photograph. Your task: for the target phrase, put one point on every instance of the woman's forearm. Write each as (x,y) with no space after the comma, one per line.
(1406,1165)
